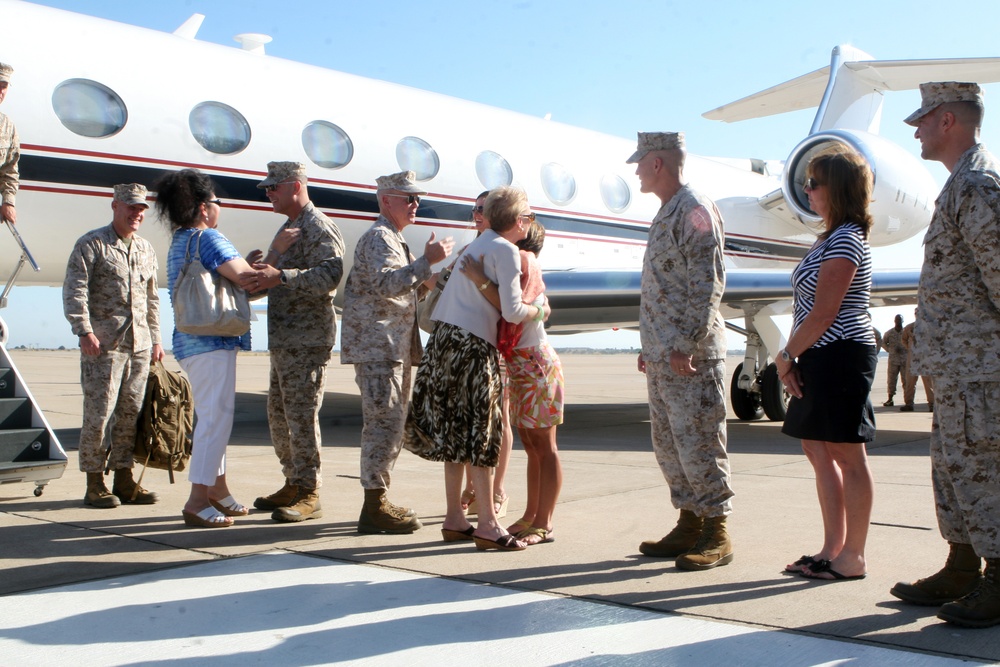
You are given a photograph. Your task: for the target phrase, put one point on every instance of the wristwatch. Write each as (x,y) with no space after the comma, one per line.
(283,278)
(482,288)
(785,356)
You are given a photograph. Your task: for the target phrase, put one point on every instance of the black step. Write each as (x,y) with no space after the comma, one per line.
(24,444)
(15,413)
(7,382)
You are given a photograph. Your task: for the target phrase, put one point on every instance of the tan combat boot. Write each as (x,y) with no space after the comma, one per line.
(98,494)
(128,491)
(283,497)
(305,506)
(713,548)
(959,577)
(378,515)
(981,607)
(678,541)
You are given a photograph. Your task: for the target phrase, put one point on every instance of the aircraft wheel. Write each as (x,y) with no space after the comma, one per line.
(773,397)
(746,404)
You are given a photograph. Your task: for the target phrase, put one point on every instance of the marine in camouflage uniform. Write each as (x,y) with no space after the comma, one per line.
(301,282)
(683,352)
(908,339)
(10,153)
(381,339)
(892,343)
(958,346)
(111,302)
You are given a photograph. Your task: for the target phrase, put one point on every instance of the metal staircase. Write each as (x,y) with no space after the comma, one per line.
(29,449)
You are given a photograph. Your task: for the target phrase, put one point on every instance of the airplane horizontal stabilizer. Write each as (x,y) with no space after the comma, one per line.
(806,91)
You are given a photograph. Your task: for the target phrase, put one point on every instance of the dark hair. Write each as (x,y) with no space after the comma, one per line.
(849,182)
(179,196)
(535,239)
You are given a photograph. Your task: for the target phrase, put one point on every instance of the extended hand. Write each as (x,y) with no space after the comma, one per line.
(435,251)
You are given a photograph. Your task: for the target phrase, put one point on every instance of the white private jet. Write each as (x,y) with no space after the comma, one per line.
(89,118)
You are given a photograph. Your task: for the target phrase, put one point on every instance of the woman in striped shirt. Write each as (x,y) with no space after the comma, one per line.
(828,363)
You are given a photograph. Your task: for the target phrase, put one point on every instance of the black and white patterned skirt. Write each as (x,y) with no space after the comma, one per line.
(455,412)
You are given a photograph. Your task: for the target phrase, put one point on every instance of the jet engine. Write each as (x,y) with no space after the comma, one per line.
(903,198)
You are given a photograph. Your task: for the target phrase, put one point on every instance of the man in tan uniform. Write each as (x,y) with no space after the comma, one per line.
(892,343)
(381,339)
(909,341)
(10,153)
(684,355)
(110,299)
(300,273)
(957,345)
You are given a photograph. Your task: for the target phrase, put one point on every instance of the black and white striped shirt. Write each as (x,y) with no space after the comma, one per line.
(853,320)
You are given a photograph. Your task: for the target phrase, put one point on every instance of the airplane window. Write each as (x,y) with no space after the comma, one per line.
(219,128)
(417,155)
(615,192)
(89,108)
(327,145)
(492,170)
(558,183)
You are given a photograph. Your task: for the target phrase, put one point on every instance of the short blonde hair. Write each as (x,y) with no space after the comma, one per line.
(503,206)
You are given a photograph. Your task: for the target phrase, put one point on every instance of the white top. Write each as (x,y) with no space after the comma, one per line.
(461,303)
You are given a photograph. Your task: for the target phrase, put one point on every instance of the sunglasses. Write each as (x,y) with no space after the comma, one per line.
(217,202)
(528,216)
(478,209)
(274,186)
(410,199)
(811,184)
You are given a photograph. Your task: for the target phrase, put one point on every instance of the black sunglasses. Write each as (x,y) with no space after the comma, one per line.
(811,184)
(410,199)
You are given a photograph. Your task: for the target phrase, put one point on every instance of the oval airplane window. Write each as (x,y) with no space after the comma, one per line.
(88,108)
(219,128)
(416,155)
(327,145)
(558,183)
(492,170)
(615,193)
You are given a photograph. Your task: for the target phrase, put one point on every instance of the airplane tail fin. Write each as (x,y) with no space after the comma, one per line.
(848,92)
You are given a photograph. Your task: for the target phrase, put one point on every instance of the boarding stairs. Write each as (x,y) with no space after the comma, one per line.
(29,449)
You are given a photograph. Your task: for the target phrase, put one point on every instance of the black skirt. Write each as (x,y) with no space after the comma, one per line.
(836,386)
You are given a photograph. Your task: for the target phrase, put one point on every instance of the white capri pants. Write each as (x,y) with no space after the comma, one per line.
(213,386)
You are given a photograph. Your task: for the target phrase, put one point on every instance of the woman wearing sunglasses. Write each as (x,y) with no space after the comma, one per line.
(186,201)
(828,363)
(455,414)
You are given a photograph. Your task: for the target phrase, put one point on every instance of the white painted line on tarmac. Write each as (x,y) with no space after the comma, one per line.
(288,609)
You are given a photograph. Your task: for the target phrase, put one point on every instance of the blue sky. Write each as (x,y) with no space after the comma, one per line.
(614,67)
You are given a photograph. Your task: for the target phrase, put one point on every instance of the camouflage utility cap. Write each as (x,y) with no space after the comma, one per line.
(936,93)
(279,172)
(131,193)
(5,72)
(656,141)
(401,182)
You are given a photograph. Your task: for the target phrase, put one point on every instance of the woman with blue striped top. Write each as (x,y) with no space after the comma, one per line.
(828,363)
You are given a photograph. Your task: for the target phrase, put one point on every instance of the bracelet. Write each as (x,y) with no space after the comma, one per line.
(271,249)
(540,315)
(482,288)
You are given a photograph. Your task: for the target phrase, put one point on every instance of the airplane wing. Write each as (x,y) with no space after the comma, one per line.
(593,300)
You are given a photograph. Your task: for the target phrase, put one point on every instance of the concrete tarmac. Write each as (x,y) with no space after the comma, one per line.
(613,497)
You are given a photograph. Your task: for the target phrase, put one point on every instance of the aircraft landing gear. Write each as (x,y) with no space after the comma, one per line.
(773,397)
(746,404)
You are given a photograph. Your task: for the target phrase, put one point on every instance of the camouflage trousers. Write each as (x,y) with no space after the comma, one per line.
(688,424)
(910,386)
(896,371)
(385,396)
(114,384)
(294,397)
(965,463)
